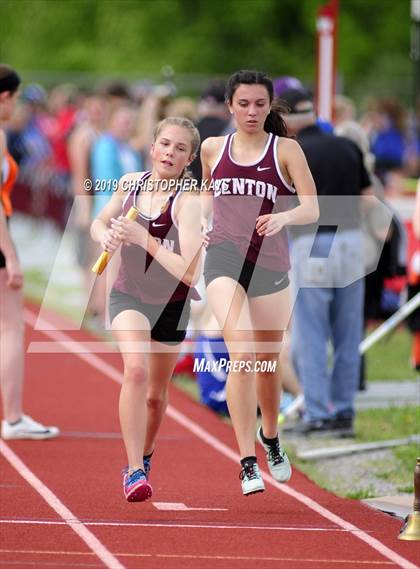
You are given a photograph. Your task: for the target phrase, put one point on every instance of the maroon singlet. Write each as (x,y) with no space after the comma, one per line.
(140,275)
(243,192)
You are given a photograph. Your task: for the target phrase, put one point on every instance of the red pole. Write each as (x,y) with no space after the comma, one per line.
(326,25)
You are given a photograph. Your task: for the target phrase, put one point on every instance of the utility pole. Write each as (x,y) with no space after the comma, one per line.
(415,49)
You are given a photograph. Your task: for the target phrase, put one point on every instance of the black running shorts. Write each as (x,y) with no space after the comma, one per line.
(224,260)
(168,322)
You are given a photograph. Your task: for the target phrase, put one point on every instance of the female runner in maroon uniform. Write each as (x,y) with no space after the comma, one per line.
(251,175)
(151,297)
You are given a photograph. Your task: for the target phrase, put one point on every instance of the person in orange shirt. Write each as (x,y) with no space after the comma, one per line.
(15,424)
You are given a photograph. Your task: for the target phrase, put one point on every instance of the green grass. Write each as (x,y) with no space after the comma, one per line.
(411,185)
(362,494)
(377,425)
(35,286)
(389,358)
(188,385)
(393,423)
(389,423)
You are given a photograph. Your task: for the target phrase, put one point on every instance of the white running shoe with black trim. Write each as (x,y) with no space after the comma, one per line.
(277,460)
(27,428)
(251,479)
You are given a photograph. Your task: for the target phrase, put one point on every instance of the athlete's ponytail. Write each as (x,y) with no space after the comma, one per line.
(274,122)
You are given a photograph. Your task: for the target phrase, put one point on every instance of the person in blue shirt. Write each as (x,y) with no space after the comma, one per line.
(113,156)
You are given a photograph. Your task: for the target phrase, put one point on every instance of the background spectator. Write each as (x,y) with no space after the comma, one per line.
(326,258)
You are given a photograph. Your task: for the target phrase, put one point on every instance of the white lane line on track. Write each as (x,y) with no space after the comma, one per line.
(171,525)
(191,556)
(180,507)
(55,503)
(93,360)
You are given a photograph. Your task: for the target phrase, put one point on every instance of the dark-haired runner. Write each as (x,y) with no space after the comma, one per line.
(253,172)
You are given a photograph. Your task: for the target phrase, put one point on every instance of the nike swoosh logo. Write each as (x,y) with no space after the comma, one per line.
(276,283)
(259,169)
(158,224)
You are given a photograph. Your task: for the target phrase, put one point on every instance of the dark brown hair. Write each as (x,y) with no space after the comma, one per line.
(9,79)
(274,122)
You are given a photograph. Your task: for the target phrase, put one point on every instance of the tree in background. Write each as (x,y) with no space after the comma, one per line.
(207,37)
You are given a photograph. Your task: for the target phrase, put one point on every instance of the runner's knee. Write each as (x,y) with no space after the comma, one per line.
(135,372)
(156,403)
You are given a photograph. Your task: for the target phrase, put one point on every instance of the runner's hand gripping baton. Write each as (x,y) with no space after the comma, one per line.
(104,258)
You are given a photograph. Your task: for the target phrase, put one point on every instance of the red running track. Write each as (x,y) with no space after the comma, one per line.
(62,503)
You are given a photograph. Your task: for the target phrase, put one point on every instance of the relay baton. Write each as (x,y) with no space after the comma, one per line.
(104,258)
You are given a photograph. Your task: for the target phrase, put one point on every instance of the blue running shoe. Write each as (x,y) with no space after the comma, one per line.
(147,461)
(135,485)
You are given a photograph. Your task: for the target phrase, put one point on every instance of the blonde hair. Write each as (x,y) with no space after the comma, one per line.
(184,123)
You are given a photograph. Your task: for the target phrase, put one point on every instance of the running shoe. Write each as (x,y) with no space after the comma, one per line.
(251,479)
(135,485)
(277,460)
(27,428)
(147,462)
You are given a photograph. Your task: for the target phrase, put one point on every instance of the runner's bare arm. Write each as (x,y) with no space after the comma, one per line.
(186,266)
(206,195)
(100,229)
(293,163)
(297,168)
(210,149)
